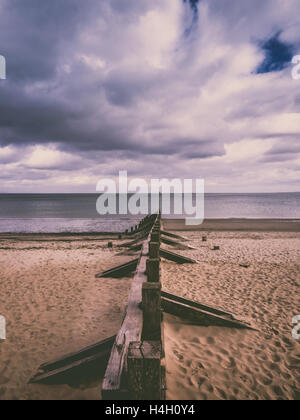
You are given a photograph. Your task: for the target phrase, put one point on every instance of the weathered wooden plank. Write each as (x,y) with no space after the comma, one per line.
(151,304)
(180,259)
(154,249)
(175,243)
(153,270)
(196,304)
(135,367)
(65,369)
(144,370)
(119,271)
(173,235)
(152,370)
(200,316)
(130,331)
(134,242)
(79,355)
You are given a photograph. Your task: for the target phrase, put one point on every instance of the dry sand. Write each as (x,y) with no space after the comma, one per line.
(223,363)
(54,305)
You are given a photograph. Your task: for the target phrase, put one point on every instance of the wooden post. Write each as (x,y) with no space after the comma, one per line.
(152,370)
(151,303)
(110,244)
(155,236)
(131,229)
(144,370)
(154,250)
(153,273)
(135,371)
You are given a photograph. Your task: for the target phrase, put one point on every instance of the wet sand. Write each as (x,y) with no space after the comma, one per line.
(248,225)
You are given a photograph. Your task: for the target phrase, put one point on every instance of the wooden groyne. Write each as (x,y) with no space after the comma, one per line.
(134,359)
(135,367)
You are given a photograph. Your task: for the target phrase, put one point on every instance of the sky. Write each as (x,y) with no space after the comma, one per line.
(158,88)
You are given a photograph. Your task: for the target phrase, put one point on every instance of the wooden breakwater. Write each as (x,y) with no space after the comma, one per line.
(133,359)
(135,368)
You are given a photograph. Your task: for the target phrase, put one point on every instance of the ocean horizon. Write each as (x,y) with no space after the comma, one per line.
(55,213)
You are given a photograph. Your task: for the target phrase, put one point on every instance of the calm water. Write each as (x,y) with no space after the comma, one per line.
(77,212)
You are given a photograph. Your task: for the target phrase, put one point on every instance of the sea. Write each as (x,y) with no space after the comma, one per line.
(74,213)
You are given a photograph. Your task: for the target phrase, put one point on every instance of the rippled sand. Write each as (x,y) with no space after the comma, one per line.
(222,363)
(54,305)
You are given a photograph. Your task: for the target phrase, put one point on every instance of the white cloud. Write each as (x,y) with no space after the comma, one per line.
(42,157)
(132,74)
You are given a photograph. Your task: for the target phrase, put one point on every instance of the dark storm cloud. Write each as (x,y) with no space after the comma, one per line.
(40,104)
(101,84)
(123,88)
(34,34)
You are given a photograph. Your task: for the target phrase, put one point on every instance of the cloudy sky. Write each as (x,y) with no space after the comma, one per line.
(160,88)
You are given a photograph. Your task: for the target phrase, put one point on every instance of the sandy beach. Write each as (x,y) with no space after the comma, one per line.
(54,305)
(222,363)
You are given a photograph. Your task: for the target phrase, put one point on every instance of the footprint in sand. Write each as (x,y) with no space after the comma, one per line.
(264,380)
(210,340)
(228,363)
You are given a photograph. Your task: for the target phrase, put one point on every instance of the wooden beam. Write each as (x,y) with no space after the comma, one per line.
(119,271)
(175,243)
(151,304)
(153,270)
(130,331)
(180,259)
(196,304)
(200,316)
(67,367)
(172,235)
(144,371)
(152,370)
(135,367)
(154,249)
(134,242)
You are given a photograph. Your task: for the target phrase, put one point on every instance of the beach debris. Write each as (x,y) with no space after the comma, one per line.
(120,271)
(180,259)
(73,365)
(204,238)
(245,265)
(216,248)
(200,314)
(110,244)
